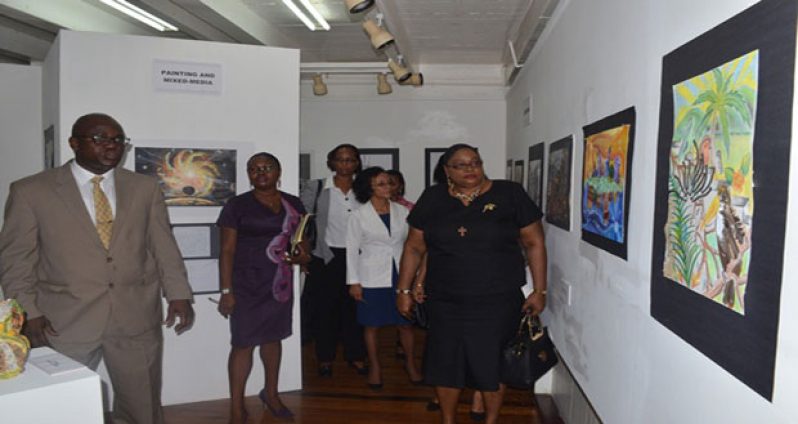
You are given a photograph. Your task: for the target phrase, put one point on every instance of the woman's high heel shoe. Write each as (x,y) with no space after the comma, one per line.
(276,413)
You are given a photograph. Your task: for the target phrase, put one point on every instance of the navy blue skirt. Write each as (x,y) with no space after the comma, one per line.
(378,307)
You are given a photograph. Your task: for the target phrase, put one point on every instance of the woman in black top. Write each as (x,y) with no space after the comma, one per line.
(472,230)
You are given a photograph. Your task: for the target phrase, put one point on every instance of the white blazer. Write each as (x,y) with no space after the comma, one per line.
(370,251)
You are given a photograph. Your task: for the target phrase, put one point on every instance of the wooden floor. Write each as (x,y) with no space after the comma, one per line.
(345,398)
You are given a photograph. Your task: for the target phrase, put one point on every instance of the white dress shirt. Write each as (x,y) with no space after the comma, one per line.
(341,206)
(83,179)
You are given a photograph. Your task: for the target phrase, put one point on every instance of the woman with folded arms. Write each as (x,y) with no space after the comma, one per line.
(375,236)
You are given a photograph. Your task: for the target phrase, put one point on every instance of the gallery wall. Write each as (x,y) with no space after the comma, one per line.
(257,109)
(596,59)
(410,119)
(21,137)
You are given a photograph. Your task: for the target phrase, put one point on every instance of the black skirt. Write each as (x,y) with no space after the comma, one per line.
(465,338)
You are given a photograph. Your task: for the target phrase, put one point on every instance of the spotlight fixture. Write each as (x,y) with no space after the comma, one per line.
(140,15)
(400,73)
(383,87)
(380,38)
(357,6)
(319,87)
(415,80)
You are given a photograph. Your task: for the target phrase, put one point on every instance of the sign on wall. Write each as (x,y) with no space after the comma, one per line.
(187,76)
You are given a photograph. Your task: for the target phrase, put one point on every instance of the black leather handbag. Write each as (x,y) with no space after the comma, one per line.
(420,315)
(528,356)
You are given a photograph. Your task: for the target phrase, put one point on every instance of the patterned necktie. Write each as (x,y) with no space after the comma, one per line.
(103,216)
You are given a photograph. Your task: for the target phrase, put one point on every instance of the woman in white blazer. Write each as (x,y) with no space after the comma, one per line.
(374,241)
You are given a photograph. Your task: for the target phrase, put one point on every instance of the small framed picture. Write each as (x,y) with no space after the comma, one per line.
(518,172)
(199,247)
(431,157)
(386,158)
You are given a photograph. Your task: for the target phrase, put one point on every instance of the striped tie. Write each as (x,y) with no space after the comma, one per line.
(104,217)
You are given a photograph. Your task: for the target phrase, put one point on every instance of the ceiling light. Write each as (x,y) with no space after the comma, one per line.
(316,15)
(399,72)
(416,80)
(379,36)
(319,87)
(300,14)
(140,15)
(383,87)
(357,6)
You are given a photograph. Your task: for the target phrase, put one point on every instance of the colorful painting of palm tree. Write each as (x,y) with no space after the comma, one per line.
(711,202)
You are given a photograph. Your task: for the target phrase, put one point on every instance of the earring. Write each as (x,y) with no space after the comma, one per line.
(449,181)
(278,183)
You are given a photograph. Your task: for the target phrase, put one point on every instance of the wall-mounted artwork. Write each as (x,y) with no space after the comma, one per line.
(534,173)
(431,157)
(518,172)
(49,147)
(385,158)
(722,158)
(607,181)
(558,189)
(190,177)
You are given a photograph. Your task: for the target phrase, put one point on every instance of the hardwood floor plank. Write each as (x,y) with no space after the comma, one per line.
(346,399)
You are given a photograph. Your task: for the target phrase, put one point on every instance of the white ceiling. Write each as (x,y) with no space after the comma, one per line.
(428,32)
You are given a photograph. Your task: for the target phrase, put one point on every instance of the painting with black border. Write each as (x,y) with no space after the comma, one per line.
(534,179)
(721,193)
(558,183)
(607,181)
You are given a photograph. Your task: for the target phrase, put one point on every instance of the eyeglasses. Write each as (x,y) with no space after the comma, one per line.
(262,169)
(346,160)
(104,140)
(462,166)
(375,185)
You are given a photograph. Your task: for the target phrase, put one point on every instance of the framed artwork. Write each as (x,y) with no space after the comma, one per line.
(508,174)
(534,173)
(558,190)
(721,195)
(49,147)
(607,181)
(199,247)
(188,176)
(518,172)
(384,158)
(431,157)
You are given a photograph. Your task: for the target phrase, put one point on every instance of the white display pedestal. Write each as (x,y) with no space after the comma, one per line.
(35,397)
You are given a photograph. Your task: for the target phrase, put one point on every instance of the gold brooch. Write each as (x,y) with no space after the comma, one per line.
(488,207)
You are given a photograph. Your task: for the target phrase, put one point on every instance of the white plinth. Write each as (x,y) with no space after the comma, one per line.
(35,397)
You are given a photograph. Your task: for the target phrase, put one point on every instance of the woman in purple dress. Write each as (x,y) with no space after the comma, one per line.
(255,270)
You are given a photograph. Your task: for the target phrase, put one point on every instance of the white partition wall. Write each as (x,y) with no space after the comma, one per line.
(253,107)
(597,58)
(21,136)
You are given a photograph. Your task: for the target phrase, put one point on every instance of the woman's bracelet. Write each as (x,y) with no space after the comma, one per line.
(404,291)
(543,292)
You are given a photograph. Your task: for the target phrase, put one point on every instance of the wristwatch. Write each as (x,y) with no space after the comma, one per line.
(226,290)
(404,291)
(539,291)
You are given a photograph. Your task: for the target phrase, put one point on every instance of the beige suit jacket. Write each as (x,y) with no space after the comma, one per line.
(53,262)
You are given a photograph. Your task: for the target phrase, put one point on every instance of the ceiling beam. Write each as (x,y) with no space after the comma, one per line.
(187,22)
(18,37)
(77,15)
(237,20)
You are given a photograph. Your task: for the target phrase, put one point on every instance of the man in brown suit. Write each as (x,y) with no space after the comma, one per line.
(88,251)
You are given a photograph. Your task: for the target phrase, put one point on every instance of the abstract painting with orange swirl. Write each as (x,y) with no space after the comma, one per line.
(190,177)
